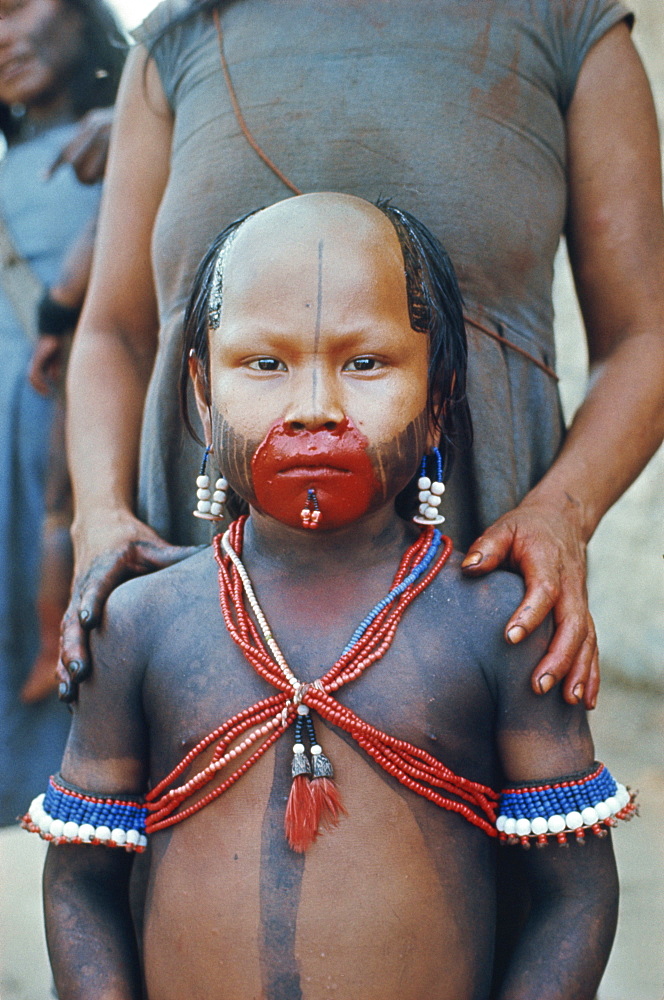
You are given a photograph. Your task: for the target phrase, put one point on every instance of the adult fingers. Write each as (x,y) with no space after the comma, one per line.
(90,593)
(74,663)
(491,549)
(571,651)
(113,568)
(592,687)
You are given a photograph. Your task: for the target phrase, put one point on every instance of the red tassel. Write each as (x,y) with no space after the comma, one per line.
(327,802)
(301,819)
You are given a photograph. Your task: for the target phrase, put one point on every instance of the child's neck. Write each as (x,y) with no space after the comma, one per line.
(378,536)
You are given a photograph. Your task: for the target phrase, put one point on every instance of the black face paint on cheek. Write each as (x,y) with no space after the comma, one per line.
(394,463)
(397,461)
(233,453)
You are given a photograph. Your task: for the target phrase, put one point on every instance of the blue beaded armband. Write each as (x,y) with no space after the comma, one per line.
(592,800)
(68,815)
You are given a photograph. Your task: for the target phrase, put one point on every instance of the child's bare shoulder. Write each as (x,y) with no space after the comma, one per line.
(137,610)
(478,609)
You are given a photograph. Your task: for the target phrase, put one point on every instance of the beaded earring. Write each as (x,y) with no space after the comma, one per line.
(210,506)
(431,493)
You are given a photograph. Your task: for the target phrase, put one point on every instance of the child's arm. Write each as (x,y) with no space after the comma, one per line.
(564,947)
(91,939)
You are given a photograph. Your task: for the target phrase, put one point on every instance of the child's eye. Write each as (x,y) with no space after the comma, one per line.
(267,365)
(365,364)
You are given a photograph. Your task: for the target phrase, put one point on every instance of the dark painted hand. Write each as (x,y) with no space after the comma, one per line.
(545,545)
(91,590)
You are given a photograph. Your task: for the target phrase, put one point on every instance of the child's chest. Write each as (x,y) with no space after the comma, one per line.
(427,689)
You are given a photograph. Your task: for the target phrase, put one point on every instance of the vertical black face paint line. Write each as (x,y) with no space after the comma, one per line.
(280,887)
(317,328)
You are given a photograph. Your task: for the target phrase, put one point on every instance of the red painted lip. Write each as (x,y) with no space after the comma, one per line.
(312,472)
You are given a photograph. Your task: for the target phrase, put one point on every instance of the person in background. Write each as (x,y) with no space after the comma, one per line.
(58,60)
(501,126)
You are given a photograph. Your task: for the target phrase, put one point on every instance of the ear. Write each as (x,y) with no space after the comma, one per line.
(201,395)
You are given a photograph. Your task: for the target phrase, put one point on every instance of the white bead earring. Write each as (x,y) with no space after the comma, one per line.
(430,493)
(210,506)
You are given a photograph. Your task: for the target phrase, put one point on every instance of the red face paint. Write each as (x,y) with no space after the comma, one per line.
(288,463)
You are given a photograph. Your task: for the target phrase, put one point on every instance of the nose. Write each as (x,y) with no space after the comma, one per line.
(316,403)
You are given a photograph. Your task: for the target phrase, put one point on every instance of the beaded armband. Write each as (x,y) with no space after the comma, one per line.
(590,800)
(68,815)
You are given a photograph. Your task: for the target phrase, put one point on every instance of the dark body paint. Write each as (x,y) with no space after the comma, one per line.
(398,902)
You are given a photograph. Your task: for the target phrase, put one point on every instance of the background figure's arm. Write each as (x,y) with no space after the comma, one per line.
(91,939)
(49,357)
(564,946)
(111,363)
(87,151)
(616,243)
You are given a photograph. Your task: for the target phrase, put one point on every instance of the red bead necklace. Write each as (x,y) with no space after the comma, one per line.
(259,726)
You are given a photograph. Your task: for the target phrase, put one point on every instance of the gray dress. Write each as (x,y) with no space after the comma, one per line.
(455,109)
(44,217)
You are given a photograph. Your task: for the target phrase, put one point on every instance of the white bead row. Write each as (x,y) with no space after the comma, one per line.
(70,832)
(430,497)
(572,821)
(210,504)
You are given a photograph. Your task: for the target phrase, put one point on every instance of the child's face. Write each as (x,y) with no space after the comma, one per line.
(317,380)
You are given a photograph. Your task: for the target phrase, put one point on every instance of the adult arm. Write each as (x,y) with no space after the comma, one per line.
(564,946)
(87,151)
(111,363)
(615,236)
(91,939)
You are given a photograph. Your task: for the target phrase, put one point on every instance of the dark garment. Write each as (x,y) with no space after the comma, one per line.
(455,109)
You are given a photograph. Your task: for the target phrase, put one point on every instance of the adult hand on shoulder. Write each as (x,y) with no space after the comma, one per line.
(127,549)
(87,151)
(546,545)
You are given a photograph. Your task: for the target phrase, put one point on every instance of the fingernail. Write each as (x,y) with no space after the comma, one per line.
(472,559)
(75,669)
(84,616)
(578,691)
(593,703)
(516,634)
(64,691)
(546,682)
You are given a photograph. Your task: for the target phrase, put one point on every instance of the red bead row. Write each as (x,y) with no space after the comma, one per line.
(412,767)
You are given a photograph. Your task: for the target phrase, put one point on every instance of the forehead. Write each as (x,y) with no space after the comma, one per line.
(339,259)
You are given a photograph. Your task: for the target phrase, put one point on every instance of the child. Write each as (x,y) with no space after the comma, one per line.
(324,848)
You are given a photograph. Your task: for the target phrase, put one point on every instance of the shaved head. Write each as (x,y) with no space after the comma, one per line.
(331,258)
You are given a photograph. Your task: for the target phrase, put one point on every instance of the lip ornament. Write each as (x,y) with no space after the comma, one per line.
(310,515)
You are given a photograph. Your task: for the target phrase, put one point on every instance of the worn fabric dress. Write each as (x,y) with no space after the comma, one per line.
(43,218)
(455,109)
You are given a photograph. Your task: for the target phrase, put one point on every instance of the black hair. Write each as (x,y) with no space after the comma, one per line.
(96,76)
(435,307)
